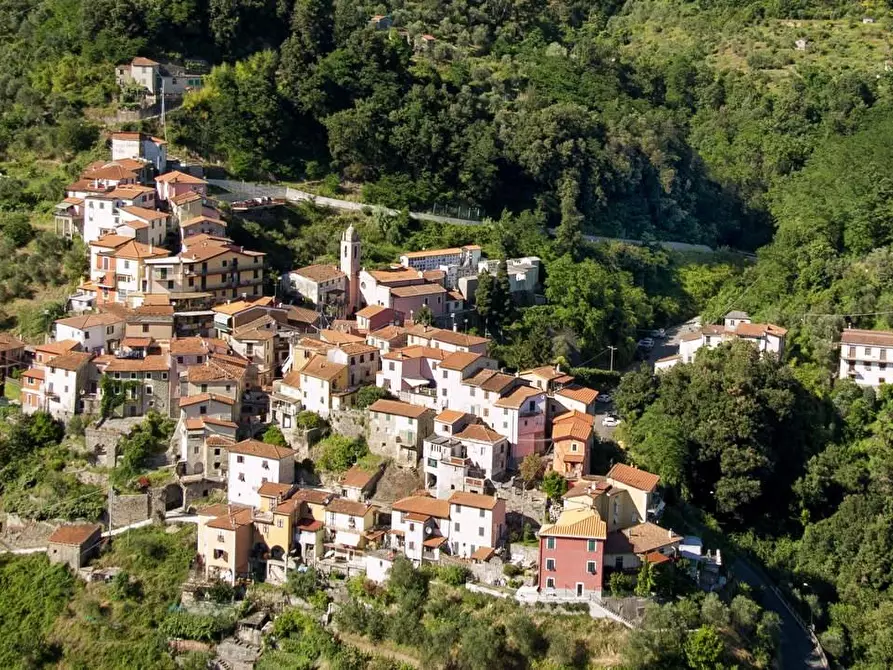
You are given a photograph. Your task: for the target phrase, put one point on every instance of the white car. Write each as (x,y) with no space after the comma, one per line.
(604,397)
(610,421)
(646,343)
(658,334)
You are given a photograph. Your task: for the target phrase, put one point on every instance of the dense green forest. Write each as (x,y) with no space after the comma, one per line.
(657,118)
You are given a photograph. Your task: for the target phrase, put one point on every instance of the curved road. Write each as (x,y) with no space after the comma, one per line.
(798,648)
(243,190)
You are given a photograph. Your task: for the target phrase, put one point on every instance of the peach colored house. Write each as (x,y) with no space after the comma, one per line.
(174,183)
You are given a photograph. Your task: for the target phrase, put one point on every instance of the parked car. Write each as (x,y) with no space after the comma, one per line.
(658,334)
(604,397)
(646,343)
(610,421)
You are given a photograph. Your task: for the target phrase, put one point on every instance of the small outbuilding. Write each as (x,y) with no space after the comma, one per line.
(74,544)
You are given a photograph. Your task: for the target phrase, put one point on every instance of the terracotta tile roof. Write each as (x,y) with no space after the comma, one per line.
(236,306)
(546,372)
(138,250)
(417,290)
(58,348)
(110,241)
(198,220)
(388,333)
(242,517)
(434,542)
(221,509)
(321,368)
(34,373)
(439,252)
(490,380)
(345,506)
(190,400)
(475,500)
(458,360)
(459,339)
(319,273)
(690,337)
(638,479)
(356,477)
(177,177)
(302,315)
(148,364)
(416,351)
(372,310)
(145,62)
(572,430)
(274,490)
(357,348)
(667,359)
(136,342)
(592,486)
(398,408)
(574,415)
(479,433)
(183,198)
(450,416)
(424,505)
(89,320)
(395,275)
(581,523)
(9,343)
(759,330)
(483,554)
(640,539)
(292,379)
(337,337)
(657,558)
(455,296)
(435,276)
(143,213)
(578,393)
(74,534)
(877,338)
(314,496)
(196,346)
(261,450)
(518,396)
(73,360)
(214,421)
(110,172)
(219,441)
(213,370)
(307,526)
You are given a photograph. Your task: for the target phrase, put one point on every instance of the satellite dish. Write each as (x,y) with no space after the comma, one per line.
(427,530)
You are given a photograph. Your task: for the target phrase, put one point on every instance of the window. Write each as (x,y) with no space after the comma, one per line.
(240,459)
(445,374)
(203,409)
(411,527)
(220,537)
(590,567)
(180,360)
(412,546)
(265,465)
(279,523)
(391,367)
(852,352)
(444,393)
(550,582)
(482,514)
(241,476)
(591,545)
(868,351)
(456,526)
(550,543)
(550,564)
(471,392)
(148,390)
(480,531)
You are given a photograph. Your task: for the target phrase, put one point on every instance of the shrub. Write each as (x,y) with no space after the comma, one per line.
(273,435)
(620,584)
(193,626)
(340,452)
(554,485)
(511,570)
(454,575)
(220,592)
(308,420)
(319,601)
(304,584)
(369,394)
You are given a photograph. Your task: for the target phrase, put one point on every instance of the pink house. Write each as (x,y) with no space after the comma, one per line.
(521,417)
(409,368)
(374,317)
(408,300)
(571,555)
(172,184)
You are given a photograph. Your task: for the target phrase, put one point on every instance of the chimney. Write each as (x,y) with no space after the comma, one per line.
(670,533)
(455,329)
(558,368)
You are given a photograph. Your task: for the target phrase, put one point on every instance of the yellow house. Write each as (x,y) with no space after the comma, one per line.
(225,538)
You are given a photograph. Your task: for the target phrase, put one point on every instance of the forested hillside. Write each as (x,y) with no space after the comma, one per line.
(647,118)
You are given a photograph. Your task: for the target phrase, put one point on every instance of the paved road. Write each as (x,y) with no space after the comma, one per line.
(241,190)
(798,647)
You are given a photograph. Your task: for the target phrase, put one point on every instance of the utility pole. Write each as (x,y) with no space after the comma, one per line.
(613,349)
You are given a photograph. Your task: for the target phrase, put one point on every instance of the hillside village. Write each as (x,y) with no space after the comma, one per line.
(172,319)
